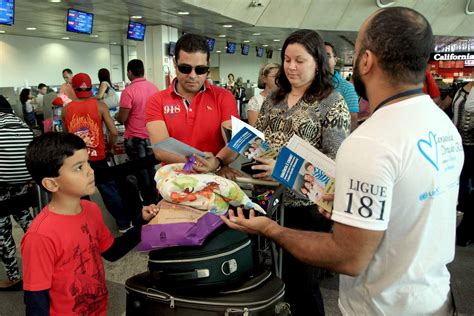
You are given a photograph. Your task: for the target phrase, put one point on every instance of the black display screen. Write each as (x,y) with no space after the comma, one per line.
(211,42)
(231,47)
(245,49)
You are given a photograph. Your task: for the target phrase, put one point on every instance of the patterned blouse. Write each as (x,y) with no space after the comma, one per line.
(324,124)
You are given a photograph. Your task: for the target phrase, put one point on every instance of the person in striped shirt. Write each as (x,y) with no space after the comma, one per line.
(15,192)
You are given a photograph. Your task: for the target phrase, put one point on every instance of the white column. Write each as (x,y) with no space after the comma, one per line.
(153,51)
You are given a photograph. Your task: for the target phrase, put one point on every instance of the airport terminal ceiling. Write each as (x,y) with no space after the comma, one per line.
(336,20)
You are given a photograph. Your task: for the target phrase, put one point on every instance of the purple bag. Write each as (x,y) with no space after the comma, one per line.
(177,230)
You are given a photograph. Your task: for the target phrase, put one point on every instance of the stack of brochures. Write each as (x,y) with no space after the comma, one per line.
(306,170)
(249,142)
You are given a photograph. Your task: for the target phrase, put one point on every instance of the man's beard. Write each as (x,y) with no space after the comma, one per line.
(359,85)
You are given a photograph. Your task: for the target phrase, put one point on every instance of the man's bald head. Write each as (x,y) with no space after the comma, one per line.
(401,39)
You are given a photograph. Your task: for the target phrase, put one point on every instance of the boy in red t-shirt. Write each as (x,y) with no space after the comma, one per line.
(63,271)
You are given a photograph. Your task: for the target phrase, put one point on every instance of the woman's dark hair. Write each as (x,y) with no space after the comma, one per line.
(45,154)
(192,43)
(402,40)
(321,87)
(104,75)
(24,95)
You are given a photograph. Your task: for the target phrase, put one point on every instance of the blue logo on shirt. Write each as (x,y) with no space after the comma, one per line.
(429,149)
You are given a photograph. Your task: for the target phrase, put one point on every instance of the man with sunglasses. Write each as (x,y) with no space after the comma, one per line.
(85,117)
(193,111)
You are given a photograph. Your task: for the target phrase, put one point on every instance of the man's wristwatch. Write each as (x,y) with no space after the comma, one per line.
(220,165)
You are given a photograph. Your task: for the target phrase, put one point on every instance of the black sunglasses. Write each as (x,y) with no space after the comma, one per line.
(82,89)
(199,70)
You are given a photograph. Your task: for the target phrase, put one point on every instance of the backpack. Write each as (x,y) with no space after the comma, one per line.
(111,98)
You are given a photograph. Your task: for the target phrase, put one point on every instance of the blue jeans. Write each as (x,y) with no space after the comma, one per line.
(111,196)
(137,148)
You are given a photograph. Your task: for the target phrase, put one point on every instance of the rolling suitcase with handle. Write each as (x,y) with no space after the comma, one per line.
(261,295)
(224,260)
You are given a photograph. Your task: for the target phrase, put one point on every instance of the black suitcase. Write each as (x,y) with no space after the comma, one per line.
(262,296)
(224,260)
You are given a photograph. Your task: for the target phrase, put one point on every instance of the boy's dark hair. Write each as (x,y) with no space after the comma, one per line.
(321,87)
(45,154)
(402,40)
(135,66)
(69,71)
(192,43)
(41,86)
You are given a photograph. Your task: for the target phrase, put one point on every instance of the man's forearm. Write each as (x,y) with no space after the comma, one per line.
(168,157)
(112,140)
(227,155)
(314,248)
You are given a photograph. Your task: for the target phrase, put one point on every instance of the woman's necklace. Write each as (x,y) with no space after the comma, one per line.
(296,95)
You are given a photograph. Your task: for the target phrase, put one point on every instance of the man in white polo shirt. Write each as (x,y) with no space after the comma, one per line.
(397,180)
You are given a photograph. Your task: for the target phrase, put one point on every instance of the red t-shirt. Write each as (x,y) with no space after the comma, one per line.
(430,87)
(84,120)
(199,125)
(62,253)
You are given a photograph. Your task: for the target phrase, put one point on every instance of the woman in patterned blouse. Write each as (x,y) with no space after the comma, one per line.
(305,104)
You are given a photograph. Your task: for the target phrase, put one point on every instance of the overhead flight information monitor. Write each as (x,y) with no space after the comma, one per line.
(136,31)
(231,47)
(211,42)
(245,49)
(7,12)
(79,22)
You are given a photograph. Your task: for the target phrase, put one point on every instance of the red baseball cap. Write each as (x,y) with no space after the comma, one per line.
(82,85)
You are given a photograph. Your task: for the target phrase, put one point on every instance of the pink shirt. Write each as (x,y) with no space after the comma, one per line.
(135,97)
(68,90)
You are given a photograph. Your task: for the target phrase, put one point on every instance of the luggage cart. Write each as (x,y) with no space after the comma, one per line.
(275,211)
(269,253)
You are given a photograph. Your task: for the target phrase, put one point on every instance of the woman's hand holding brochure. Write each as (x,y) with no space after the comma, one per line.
(266,167)
(326,197)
